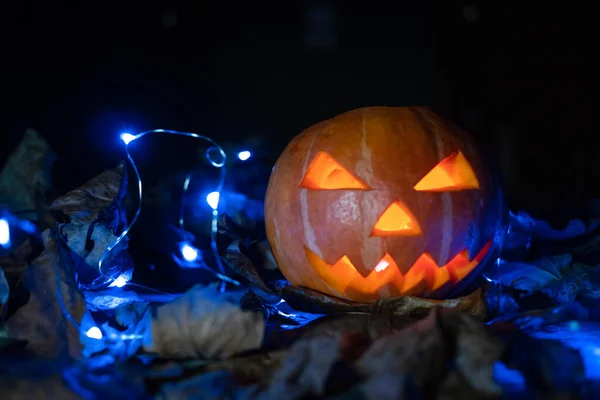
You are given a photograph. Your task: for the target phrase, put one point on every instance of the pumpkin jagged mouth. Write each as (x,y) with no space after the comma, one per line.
(424,275)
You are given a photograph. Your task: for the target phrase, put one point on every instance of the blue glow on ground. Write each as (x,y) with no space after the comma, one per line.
(583,336)
(511,380)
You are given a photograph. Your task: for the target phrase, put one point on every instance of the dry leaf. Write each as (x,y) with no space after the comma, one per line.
(476,352)
(413,357)
(203,323)
(26,171)
(311,301)
(313,367)
(42,321)
(242,266)
(447,355)
(305,370)
(84,204)
(94,213)
(414,362)
(251,368)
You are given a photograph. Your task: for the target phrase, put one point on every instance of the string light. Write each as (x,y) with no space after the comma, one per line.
(213,200)
(127,137)
(119,282)
(189,253)
(244,155)
(94,333)
(4,233)
(211,155)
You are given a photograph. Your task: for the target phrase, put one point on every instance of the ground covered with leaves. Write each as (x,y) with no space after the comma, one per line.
(531,332)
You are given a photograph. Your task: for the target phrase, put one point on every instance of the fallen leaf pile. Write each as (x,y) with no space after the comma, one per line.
(446,355)
(267,339)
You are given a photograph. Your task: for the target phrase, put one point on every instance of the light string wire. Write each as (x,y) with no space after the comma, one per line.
(215,214)
(106,252)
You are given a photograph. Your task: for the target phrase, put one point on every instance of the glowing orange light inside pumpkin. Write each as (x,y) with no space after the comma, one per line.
(424,274)
(396,220)
(324,173)
(453,173)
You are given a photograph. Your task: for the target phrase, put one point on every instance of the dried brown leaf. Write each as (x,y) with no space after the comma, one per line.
(242,265)
(27,170)
(252,368)
(414,362)
(476,352)
(309,300)
(41,321)
(84,204)
(472,304)
(417,353)
(305,370)
(203,324)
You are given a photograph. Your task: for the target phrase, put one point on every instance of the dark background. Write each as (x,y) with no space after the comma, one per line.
(518,76)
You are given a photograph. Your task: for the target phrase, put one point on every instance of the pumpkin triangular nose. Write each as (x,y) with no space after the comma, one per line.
(396,220)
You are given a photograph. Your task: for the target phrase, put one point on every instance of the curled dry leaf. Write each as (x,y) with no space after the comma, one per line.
(84,204)
(243,266)
(203,323)
(414,355)
(476,351)
(370,326)
(305,370)
(42,321)
(94,213)
(448,355)
(312,301)
(310,367)
(26,171)
(413,363)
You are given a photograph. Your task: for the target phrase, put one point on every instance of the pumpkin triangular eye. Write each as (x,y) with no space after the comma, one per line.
(324,173)
(453,173)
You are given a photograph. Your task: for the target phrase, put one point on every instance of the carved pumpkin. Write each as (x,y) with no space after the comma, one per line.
(381,202)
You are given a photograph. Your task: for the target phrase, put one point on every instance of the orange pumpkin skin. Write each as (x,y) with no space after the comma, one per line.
(333,184)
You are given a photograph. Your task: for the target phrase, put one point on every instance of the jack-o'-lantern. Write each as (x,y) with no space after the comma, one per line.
(382,202)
